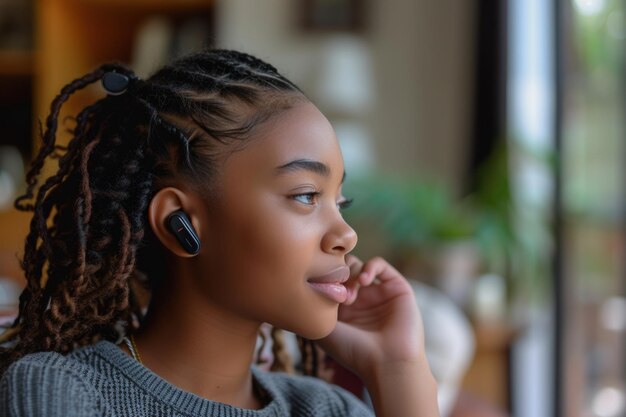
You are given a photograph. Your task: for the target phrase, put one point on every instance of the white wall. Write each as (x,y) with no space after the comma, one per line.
(422,55)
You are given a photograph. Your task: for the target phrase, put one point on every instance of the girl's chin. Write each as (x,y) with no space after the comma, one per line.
(314,327)
(317,330)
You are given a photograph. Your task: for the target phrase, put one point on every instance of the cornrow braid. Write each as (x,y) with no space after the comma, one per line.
(90,251)
(183,140)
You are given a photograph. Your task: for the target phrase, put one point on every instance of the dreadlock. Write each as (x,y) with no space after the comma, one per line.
(90,251)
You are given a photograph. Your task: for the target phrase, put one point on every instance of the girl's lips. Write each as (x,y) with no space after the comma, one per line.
(331,285)
(333,291)
(337,275)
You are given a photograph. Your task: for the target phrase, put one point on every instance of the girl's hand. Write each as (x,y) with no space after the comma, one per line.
(380,324)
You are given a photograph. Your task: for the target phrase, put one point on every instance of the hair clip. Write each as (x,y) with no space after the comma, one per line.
(115,83)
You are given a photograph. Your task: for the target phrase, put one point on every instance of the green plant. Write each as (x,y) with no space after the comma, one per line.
(414,217)
(411,212)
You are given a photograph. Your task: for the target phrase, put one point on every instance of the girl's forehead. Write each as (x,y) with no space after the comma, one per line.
(301,132)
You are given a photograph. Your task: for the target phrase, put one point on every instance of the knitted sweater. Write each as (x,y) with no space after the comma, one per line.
(102,380)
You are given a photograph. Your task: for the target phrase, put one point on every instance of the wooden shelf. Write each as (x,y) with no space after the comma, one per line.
(147,6)
(16,63)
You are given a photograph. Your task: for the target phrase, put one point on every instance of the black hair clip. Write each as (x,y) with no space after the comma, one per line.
(115,83)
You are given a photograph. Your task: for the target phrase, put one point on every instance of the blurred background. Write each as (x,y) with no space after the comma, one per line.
(484,143)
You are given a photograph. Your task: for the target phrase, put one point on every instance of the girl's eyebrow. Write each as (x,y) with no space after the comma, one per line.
(307,165)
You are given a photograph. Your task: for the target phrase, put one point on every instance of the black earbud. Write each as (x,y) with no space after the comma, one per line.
(179,224)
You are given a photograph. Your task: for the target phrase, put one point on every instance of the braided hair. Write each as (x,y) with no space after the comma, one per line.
(90,250)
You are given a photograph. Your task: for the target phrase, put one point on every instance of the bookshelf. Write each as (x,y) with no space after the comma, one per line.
(71,38)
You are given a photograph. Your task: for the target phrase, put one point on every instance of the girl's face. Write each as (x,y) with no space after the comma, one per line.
(277,228)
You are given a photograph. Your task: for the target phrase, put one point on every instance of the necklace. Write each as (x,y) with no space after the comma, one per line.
(132,346)
(259,391)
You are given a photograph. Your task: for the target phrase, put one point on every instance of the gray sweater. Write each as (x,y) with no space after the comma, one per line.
(102,380)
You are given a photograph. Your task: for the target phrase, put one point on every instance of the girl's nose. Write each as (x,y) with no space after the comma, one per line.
(340,239)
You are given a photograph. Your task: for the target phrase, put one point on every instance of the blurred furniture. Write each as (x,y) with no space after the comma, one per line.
(488,377)
(449,340)
(469,405)
(9,294)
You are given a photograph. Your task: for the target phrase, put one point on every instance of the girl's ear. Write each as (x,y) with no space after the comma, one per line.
(165,202)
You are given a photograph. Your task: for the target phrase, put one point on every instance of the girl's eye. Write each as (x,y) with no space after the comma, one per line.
(306,198)
(311,198)
(345,203)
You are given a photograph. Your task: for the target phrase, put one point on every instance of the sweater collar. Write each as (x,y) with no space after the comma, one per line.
(183,401)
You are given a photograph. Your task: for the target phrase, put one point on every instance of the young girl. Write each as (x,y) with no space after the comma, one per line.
(217,183)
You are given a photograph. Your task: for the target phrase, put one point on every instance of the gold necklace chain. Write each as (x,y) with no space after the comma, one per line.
(132,341)
(132,346)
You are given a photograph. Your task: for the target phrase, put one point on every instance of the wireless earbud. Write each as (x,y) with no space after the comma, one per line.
(179,224)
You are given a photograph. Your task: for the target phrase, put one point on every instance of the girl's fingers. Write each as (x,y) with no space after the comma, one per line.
(352,285)
(353,262)
(377,268)
(353,293)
